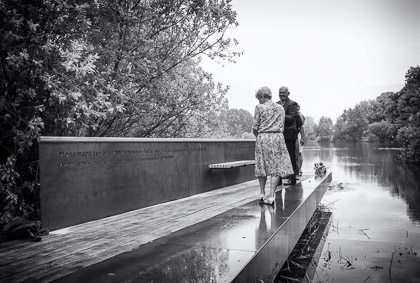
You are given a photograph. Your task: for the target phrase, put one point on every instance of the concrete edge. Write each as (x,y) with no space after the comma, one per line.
(53,139)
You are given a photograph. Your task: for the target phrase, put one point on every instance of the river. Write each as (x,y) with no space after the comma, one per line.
(374,234)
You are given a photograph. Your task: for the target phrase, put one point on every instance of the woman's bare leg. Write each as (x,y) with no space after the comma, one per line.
(262,181)
(275,181)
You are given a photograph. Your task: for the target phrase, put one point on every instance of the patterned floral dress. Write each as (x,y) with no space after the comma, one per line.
(271,155)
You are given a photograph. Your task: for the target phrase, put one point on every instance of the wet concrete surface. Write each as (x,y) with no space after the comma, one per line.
(239,243)
(165,262)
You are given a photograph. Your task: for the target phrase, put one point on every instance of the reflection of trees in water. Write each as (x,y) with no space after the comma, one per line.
(406,184)
(373,165)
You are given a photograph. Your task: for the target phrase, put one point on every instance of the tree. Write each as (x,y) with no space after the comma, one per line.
(407,116)
(391,116)
(29,30)
(156,40)
(380,130)
(379,126)
(237,121)
(309,126)
(325,129)
(103,68)
(353,123)
(379,107)
(357,121)
(185,104)
(340,129)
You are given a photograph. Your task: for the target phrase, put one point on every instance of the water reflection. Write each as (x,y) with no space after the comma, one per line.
(379,197)
(406,184)
(369,163)
(267,221)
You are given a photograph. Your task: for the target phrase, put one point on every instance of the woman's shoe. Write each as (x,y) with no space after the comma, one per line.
(269,200)
(262,197)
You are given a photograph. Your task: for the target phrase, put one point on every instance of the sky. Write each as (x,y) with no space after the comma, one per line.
(332,54)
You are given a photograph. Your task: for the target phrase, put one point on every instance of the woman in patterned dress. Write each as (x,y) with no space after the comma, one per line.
(271,155)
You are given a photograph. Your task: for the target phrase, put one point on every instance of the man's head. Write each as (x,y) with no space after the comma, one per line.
(284,93)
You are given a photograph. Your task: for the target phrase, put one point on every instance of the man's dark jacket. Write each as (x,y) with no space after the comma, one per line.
(291,109)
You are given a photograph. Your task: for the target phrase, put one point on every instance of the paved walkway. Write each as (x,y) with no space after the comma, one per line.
(72,249)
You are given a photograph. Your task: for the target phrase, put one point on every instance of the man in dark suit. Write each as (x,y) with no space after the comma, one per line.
(291,109)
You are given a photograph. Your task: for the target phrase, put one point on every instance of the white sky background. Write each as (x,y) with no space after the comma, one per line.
(332,54)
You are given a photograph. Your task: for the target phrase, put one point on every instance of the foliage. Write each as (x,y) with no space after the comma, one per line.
(391,117)
(357,121)
(103,68)
(237,121)
(22,105)
(381,130)
(379,107)
(407,116)
(309,127)
(304,254)
(186,104)
(367,119)
(340,130)
(249,136)
(353,123)
(154,66)
(320,169)
(324,131)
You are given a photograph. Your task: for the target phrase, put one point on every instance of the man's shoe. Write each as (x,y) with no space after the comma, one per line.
(292,180)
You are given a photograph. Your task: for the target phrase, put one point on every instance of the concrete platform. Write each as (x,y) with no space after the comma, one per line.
(225,235)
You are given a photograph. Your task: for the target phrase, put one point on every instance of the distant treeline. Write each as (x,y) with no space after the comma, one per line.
(391,117)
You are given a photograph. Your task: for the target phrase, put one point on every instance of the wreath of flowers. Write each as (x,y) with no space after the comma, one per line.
(320,169)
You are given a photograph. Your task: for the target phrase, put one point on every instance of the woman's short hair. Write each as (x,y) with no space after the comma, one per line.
(264,91)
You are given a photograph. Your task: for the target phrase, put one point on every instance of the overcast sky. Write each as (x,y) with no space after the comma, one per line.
(331,54)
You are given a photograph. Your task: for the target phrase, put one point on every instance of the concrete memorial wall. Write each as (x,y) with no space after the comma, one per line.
(84,179)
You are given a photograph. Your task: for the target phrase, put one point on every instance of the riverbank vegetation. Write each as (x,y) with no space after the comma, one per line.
(104,68)
(301,264)
(391,117)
